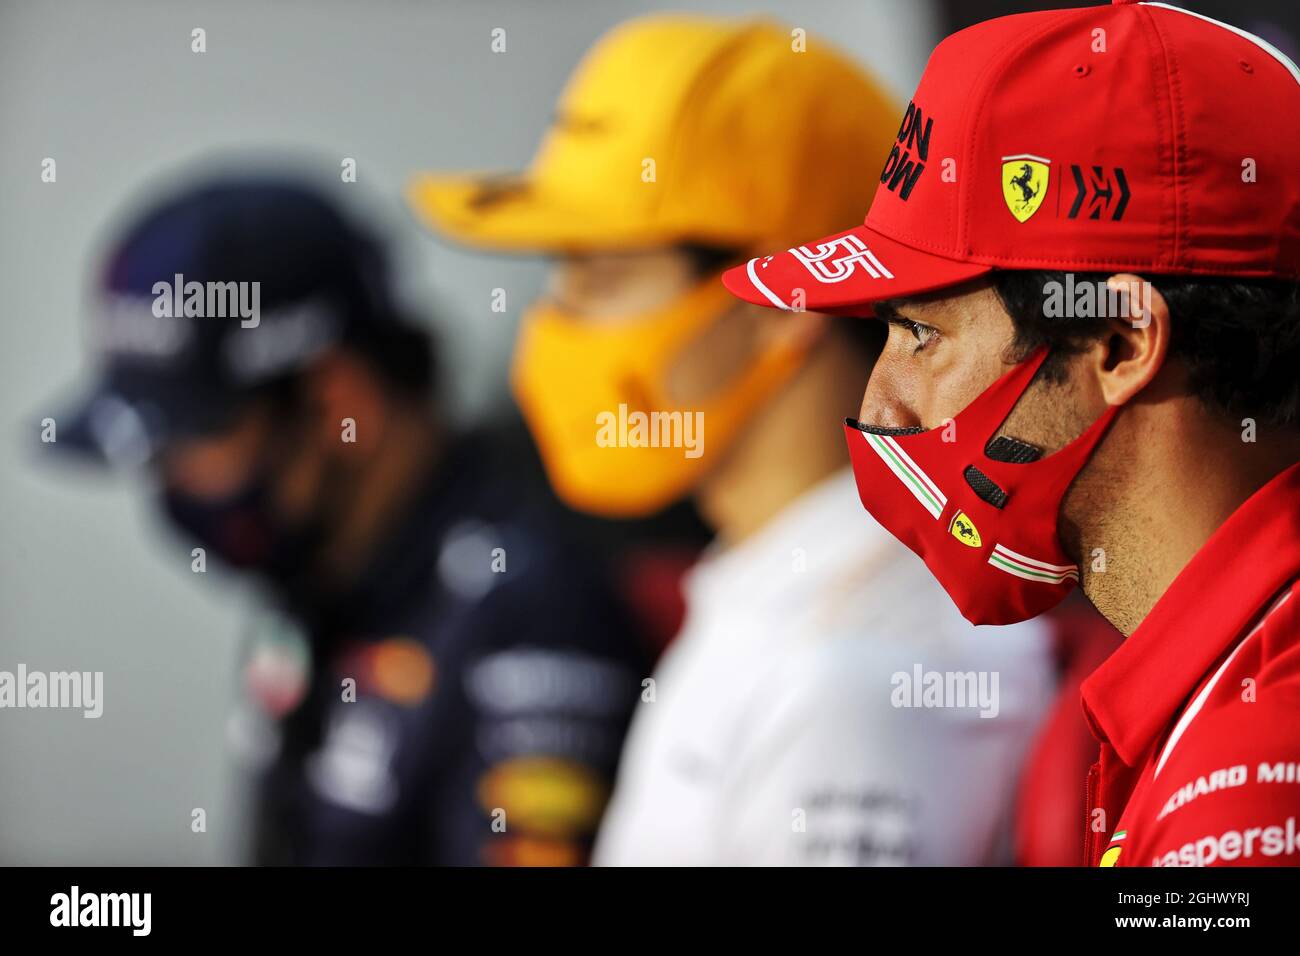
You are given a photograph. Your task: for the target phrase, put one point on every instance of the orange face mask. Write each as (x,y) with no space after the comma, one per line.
(595,396)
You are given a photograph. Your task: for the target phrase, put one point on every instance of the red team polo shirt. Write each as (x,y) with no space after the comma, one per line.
(1198,712)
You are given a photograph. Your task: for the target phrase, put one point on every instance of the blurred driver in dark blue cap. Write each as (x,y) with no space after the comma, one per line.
(445,679)
(258,255)
(229,319)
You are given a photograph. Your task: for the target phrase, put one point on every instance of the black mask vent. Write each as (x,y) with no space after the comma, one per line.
(1012,451)
(1002,449)
(985,487)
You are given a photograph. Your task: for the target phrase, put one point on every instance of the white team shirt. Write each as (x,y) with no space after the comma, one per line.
(774,735)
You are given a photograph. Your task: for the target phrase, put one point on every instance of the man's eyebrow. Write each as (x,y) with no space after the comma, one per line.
(888,311)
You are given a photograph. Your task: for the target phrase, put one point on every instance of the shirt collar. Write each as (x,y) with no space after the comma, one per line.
(1134,696)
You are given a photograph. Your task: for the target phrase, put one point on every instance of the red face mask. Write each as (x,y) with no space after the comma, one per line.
(981,512)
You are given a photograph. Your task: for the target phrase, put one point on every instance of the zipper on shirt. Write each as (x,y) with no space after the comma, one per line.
(1089,792)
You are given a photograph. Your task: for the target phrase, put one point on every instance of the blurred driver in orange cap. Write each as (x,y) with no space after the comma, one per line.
(787,723)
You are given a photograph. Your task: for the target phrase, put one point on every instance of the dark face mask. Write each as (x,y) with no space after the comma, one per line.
(243,532)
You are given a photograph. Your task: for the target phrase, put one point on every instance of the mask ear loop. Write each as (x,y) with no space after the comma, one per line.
(767,369)
(1002,450)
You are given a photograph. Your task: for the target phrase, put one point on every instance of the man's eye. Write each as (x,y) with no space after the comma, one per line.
(924,334)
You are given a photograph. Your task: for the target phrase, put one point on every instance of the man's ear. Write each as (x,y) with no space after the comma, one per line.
(1136,345)
(348,402)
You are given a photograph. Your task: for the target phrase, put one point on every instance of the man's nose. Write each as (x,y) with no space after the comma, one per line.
(886,402)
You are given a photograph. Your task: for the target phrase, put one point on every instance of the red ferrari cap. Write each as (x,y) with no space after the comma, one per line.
(1138,137)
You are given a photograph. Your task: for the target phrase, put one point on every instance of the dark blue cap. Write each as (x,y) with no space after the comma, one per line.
(211,295)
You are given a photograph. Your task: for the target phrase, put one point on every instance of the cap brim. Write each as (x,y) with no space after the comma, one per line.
(515,213)
(845,273)
(119,424)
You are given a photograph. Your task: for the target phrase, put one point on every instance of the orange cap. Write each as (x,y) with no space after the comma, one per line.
(684,129)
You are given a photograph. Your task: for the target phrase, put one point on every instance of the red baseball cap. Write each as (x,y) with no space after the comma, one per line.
(1137,137)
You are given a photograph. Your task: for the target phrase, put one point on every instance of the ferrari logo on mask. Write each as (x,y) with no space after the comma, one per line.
(963,529)
(1024,183)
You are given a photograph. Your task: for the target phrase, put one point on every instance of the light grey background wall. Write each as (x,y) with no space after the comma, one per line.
(112,92)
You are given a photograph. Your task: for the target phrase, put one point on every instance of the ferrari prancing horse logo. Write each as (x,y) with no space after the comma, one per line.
(1024,183)
(963,529)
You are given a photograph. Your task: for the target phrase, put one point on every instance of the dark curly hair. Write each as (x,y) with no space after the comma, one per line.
(1239,338)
